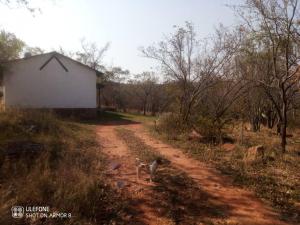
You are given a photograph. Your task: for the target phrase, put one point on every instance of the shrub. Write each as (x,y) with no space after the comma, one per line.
(206,127)
(26,124)
(171,125)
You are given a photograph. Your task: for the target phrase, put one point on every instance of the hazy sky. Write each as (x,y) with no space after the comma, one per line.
(126,24)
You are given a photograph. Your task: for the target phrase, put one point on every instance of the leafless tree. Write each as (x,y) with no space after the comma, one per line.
(34,50)
(191,65)
(116,74)
(114,93)
(217,102)
(145,87)
(21,3)
(91,54)
(275,24)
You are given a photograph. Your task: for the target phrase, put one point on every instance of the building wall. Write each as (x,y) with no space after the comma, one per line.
(52,87)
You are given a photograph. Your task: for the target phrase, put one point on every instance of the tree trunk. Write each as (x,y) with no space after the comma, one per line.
(255,124)
(271,120)
(242,133)
(99,98)
(187,112)
(144,110)
(283,127)
(294,113)
(220,136)
(278,128)
(283,138)
(153,109)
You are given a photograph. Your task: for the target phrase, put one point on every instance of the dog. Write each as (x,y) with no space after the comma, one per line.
(149,168)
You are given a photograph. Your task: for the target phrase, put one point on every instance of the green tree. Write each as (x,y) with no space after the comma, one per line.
(10,46)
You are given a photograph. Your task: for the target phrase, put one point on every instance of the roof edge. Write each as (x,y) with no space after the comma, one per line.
(98,73)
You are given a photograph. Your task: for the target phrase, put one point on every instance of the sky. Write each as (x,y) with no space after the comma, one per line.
(126,24)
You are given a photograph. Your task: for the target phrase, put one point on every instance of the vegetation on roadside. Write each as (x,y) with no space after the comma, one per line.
(46,161)
(272,176)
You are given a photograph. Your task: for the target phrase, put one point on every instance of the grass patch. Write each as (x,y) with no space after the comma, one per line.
(45,161)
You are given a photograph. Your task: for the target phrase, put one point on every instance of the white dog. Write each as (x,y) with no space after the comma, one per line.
(149,168)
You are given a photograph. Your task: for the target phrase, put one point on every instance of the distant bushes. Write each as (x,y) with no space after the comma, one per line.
(173,127)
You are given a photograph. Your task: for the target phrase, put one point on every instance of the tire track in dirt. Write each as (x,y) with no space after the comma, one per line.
(245,208)
(138,190)
(175,194)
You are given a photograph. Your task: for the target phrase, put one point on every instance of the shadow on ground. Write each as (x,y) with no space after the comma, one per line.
(179,198)
(110,118)
(175,195)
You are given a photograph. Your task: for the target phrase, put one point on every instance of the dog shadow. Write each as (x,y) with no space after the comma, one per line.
(179,198)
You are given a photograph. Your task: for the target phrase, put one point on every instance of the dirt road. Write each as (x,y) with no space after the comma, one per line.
(241,206)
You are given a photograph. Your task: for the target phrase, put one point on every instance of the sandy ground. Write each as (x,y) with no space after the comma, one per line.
(242,206)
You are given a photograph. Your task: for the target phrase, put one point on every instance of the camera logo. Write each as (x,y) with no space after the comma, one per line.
(17,211)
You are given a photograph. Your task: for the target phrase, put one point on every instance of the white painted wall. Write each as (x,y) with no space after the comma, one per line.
(52,87)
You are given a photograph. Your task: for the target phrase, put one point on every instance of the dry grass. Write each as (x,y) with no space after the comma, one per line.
(45,161)
(273,177)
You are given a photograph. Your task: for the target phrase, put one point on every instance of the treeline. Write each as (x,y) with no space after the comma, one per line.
(142,94)
(248,73)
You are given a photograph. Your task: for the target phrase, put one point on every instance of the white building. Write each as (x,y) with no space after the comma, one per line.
(49,81)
